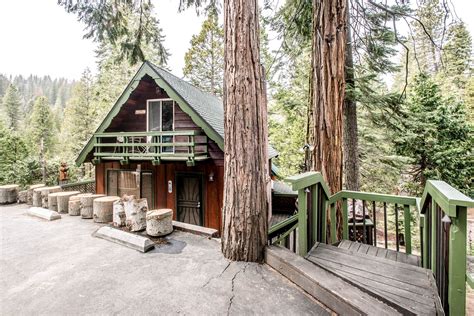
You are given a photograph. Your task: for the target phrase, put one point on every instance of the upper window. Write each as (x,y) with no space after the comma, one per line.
(160,115)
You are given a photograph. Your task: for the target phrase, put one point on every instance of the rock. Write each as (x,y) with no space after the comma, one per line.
(29,195)
(8,193)
(74,204)
(135,213)
(130,240)
(22,196)
(87,204)
(40,195)
(43,213)
(119,214)
(63,200)
(159,222)
(103,209)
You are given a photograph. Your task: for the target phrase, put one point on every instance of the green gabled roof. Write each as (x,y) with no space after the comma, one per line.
(205,109)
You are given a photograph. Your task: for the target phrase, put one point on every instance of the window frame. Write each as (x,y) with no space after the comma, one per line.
(148,101)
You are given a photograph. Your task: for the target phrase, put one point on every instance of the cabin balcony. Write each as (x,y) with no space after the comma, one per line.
(156,146)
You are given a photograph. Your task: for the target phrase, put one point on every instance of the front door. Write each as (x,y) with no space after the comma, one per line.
(189,202)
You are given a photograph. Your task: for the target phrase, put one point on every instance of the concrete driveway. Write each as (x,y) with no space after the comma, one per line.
(58,268)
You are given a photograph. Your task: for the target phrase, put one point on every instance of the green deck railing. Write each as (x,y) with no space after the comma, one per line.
(441,215)
(189,146)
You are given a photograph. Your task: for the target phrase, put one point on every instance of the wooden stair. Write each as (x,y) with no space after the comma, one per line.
(359,248)
(358,282)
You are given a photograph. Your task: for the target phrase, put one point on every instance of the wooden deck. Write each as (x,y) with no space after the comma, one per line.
(404,286)
(357,247)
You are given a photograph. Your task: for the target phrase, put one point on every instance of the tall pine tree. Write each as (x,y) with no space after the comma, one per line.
(11,105)
(42,130)
(204,61)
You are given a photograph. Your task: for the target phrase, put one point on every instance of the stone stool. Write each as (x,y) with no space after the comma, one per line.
(63,200)
(29,195)
(8,193)
(74,204)
(159,222)
(103,209)
(87,204)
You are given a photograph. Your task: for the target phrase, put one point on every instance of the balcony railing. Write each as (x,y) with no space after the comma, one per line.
(188,146)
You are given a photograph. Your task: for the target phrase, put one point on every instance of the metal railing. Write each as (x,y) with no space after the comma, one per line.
(188,146)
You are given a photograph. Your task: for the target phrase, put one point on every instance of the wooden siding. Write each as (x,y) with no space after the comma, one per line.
(127,121)
(212,191)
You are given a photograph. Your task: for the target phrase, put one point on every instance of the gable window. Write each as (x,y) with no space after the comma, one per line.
(161,119)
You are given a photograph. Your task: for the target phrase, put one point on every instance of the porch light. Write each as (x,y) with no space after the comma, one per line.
(211,176)
(446,219)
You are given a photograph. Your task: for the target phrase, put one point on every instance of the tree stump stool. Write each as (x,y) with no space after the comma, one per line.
(29,195)
(159,222)
(119,214)
(87,204)
(63,200)
(8,193)
(103,209)
(40,195)
(53,201)
(22,196)
(74,204)
(135,213)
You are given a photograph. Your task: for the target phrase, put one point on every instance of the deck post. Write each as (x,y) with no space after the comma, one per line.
(457,263)
(302,223)
(407,222)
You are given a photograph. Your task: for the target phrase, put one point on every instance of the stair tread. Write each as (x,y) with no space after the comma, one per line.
(406,287)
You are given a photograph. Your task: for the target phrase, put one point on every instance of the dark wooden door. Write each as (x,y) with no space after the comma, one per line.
(189,203)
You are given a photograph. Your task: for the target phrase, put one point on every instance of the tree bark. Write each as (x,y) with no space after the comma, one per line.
(351,140)
(327,91)
(246,176)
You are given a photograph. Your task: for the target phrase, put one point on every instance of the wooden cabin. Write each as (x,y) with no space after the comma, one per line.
(163,140)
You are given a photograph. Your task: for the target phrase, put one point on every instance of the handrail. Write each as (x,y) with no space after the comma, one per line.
(447,197)
(307,179)
(375,197)
(150,133)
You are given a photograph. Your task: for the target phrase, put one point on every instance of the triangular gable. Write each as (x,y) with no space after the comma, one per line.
(148,69)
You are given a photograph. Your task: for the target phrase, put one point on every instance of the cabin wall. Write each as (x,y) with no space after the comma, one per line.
(127,121)
(212,190)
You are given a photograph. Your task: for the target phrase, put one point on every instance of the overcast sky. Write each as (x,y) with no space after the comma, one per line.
(39,37)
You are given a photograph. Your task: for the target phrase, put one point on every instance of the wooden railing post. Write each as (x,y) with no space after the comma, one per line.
(407,222)
(302,223)
(457,263)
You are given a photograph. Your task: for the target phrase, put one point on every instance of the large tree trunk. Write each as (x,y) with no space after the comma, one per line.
(327,91)
(247,176)
(351,141)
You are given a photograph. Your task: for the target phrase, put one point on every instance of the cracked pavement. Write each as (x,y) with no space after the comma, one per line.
(53,268)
